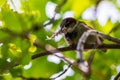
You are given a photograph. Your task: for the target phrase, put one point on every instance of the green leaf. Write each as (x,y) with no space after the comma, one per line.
(20,42)
(70,54)
(67,6)
(23,56)
(41,68)
(3,35)
(26,59)
(16,71)
(42,36)
(79,6)
(39,5)
(3,58)
(4,50)
(11,21)
(3,65)
(2,2)
(76,76)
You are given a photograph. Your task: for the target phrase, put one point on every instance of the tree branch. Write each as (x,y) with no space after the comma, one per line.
(87,46)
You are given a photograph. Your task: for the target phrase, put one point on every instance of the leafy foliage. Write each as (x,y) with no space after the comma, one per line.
(20,30)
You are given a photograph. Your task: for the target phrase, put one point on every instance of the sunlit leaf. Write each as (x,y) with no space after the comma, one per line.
(70,54)
(10,19)
(108,27)
(79,6)
(2,2)
(39,5)
(66,6)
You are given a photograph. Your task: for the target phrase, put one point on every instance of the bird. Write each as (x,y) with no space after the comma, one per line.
(73,30)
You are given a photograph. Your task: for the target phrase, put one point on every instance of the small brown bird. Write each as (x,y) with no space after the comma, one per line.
(73,30)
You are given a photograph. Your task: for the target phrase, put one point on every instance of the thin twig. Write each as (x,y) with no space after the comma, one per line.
(91,57)
(72,63)
(113,39)
(57,10)
(87,46)
(62,72)
(89,61)
(50,21)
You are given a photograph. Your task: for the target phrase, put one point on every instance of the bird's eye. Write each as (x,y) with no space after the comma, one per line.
(68,24)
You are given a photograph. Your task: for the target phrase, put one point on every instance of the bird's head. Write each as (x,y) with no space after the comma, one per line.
(68,25)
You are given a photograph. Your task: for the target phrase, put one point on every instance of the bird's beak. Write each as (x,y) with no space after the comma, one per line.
(63,30)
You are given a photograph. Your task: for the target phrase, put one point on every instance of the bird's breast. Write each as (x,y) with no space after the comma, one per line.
(73,37)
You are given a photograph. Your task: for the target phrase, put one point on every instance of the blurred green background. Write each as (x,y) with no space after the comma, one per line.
(24,21)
